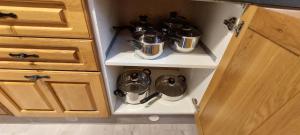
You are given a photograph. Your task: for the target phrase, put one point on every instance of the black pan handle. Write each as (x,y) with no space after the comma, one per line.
(8,15)
(119,93)
(147,71)
(149,97)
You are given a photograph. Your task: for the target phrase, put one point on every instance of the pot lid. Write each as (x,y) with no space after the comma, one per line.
(189,31)
(171,85)
(135,81)
(152,36)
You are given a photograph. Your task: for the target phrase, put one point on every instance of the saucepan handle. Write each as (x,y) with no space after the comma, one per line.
(135,44)
(119,93)
(149,97)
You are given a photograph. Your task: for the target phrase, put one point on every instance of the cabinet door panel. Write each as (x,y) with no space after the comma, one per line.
(74,97)
(260,79)
(25,95)
(78,93)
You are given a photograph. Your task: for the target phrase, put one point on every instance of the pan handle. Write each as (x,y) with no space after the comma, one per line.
(149,97)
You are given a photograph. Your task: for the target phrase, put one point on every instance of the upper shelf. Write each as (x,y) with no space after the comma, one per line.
(122,54)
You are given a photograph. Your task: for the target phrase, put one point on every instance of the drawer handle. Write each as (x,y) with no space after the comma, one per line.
(23,55)
(8,15)
(36,77)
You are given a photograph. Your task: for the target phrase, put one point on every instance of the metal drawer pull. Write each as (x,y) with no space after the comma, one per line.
(23,55)
(8,15)
(37,77)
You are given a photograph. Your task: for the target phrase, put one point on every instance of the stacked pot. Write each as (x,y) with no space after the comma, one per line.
(148,40)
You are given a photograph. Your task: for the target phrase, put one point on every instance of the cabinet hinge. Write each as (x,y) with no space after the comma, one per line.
(195,102)
(234,24)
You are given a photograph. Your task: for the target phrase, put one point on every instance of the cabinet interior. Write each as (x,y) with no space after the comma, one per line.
(208,16)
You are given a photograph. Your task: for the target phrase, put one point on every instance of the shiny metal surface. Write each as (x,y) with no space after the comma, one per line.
(149,46)
(185,44)
(150,51)
(135,98)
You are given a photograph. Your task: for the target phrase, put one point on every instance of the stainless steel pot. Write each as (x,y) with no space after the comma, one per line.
(186,40)
(149,46)
(133,85)
(169,87)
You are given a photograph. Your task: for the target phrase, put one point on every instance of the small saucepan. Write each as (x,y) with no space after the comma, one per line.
(186,39)
(149,46)
(169,87)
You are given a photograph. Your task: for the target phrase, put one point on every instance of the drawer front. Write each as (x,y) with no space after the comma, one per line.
(50,54)
(39,18)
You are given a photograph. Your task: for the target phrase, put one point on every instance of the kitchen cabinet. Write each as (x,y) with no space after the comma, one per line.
(255,90)
(51,18)
(243,78)
(48,60)
(53,93)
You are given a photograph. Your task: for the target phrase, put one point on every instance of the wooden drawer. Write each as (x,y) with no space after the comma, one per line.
(53,93)
(51,54)
(43,18)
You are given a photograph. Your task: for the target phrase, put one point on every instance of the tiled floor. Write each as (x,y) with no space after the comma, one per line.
(97,129)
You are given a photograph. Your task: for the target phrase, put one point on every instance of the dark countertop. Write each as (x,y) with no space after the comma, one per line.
(284,3)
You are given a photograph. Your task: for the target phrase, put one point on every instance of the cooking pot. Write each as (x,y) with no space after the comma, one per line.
(137,28)
(133,85)
(174,22)
(149,46)
(186,39)
(169,87)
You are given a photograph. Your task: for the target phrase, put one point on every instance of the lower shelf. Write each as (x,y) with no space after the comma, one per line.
(161,107)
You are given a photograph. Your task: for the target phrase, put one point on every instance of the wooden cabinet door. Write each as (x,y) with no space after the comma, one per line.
(78,93)
(54,94)
(44,18)
(256,88)
(24,97)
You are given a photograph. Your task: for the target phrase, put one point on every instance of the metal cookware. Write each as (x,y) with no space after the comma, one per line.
(137,28)
(186,39)
(133,85)
(174,22)
(149,46)
(170,87)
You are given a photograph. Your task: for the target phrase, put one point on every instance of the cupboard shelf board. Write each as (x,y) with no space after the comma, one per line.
(122,54)
(161,107)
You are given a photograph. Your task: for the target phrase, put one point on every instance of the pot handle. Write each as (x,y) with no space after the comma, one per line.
(119,93)
(181,77)
(149,97)
(135,44)
(174,39)
(147,71)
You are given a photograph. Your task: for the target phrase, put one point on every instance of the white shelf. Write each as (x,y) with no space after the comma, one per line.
(122,54)
(161,107)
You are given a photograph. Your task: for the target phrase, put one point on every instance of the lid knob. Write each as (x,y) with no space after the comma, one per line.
(171,81)
(134,76)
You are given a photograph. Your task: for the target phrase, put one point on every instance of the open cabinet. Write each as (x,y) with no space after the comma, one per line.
(116,55)
(246,90)
(258,47)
